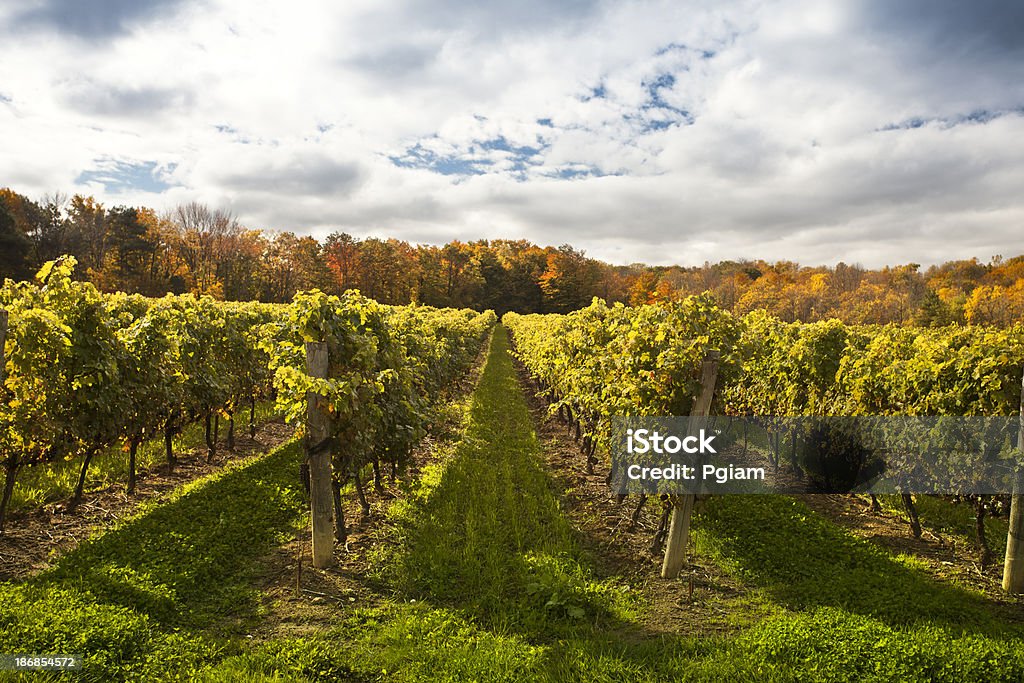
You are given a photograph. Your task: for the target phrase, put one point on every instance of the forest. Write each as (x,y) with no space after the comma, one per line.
(197,249)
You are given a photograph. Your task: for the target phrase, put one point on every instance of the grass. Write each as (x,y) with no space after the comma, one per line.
(804,562)
(188,563)
(50,482)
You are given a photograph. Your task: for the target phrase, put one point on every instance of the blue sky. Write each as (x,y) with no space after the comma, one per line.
(664,132)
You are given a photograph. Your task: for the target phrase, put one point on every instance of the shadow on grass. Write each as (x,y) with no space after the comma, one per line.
(804,562)
(190,561)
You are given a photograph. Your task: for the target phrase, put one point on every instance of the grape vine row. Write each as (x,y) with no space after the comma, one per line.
(85,371)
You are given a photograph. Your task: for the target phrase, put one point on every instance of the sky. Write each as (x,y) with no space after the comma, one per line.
(871,132)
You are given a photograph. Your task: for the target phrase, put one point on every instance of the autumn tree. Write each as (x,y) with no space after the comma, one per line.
(524,263)
(458,276)
(431,288)
(996,305)
(341,253)
(643,288)
(87,232)
(293,264)
(846,278)
(388,270)
(204,250)
(494,280)
(204,244)
(570,280)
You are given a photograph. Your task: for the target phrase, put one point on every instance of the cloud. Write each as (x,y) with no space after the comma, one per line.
(91,20)
(984,28)
(489,19)
(399,62)
(656,131)
(295,176)
(105,100)
(255,176)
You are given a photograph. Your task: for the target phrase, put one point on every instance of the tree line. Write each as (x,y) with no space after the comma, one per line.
(198,249)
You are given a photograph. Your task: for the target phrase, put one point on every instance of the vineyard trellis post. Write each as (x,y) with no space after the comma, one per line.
(318,457)
(682,505)
(9,467)
(3,340)
(1013,566)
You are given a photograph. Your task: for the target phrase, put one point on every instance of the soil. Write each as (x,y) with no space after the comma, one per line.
(299,599)
(35,538)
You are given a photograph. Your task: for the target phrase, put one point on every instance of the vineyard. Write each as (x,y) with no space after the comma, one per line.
(85,372)
(605,361)
(467,537)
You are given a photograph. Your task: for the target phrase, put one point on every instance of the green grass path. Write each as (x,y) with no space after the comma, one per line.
(487,535)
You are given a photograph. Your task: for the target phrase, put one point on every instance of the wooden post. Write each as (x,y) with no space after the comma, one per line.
(682,505)
(1013,566)
(3,340)
(11,466)
(318,431)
